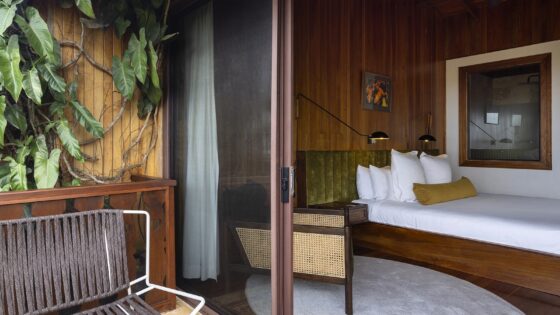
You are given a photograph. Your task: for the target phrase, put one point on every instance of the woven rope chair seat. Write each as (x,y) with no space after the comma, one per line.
(54,262)
(131,304)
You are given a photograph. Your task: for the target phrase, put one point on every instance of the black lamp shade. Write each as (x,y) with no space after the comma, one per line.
(427,138)
(377,135)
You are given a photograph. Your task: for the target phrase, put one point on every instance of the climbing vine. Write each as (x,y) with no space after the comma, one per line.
(37,144)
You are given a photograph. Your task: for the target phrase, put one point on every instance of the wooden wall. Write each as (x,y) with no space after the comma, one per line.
(97,92)
(513,23)
(335,41)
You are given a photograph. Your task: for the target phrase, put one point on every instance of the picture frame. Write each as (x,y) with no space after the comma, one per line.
(377,92)
(492,118)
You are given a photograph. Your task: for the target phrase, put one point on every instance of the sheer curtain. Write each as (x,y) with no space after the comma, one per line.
(199,172)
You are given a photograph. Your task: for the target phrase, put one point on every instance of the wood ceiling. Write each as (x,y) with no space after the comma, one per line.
(454,7)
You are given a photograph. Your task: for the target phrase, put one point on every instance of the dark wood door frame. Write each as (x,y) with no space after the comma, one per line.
(281,156)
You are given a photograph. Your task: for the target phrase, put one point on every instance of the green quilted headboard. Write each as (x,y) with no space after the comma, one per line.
(329,176)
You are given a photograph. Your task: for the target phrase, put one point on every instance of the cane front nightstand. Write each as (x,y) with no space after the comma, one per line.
(335,216)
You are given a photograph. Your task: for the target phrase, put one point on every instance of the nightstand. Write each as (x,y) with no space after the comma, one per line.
(340,216)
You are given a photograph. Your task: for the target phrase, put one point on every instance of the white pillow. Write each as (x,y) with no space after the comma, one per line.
(436,168)
(363,183)
(406,170)
(382,182)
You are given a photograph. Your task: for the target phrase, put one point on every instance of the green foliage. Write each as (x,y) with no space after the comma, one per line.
(68,139)
(86,119)
(55,82)
(16,117)
(153,65)
(123,76)
(46,166)
(121,24)
(37,33)
(9,67)
(32,86)
(85,7)
(7,14)
(137,54)
(3,121)
(35,131)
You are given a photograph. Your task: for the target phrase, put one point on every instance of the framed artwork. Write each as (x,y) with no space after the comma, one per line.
(377,92)
(492,118)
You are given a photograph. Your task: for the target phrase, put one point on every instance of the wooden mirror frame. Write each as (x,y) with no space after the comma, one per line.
(545,162)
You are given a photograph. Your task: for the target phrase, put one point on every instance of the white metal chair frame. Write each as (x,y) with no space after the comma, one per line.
(150,286)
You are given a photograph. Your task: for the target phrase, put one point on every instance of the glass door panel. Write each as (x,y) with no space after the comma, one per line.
(220,79)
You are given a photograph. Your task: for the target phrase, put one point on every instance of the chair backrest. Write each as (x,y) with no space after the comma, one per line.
(54,262)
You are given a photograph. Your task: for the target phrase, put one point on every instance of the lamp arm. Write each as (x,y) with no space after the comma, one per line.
(329,113)
(472,122)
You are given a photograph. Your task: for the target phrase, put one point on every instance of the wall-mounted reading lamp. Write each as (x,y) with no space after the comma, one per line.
(428,136)
(371,138)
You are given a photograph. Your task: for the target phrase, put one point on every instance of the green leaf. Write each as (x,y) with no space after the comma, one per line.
(4,176)
(56,109)
(147,19)
(153,65)
(168,36)
(16,117)
(68,140)
(123,76)
(138,58)
(144,107)
(74,183)
(73,90)
(18,174)
(9,66)
(46,167)
(85,7)
(154,94)
(86,119)
(6,17)
(37,33)
(121,24)
(3,121)
(48,73)
(32,86)
(22,152)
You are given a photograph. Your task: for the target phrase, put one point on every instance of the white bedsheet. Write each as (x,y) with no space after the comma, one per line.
(522,222)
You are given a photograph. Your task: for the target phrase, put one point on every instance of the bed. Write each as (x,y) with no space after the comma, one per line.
(506,238)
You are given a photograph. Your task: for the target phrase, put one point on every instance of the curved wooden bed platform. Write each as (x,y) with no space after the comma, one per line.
(524,268)
(329,176)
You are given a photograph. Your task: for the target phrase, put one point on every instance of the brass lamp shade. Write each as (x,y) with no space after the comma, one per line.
(427,138)
(377,135)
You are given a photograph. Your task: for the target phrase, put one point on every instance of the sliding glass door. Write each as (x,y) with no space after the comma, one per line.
(226,145)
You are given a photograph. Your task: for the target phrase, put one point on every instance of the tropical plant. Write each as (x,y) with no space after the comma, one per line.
(38,107)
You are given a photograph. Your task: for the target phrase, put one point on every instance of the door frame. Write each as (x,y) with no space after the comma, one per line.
(281,156)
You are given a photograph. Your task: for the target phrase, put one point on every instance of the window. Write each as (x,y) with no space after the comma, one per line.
(504,114)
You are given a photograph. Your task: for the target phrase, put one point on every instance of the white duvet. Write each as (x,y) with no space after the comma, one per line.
(522,222)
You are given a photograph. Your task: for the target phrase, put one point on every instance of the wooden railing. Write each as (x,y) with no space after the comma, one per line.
(151,194)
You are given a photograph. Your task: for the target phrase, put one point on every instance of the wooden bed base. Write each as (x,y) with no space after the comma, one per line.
(524,268)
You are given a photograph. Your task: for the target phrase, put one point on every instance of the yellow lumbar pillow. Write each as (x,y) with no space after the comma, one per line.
(429,194)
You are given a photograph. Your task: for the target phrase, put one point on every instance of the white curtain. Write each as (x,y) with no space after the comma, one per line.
(200,189)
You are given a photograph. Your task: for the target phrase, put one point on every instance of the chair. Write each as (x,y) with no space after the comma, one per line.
(55,262)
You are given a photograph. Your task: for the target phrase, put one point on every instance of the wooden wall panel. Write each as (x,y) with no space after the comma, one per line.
(513,23)
(336,41)
(98,93)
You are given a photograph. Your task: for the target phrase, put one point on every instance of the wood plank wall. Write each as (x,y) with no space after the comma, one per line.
(513,23)
(97,92)
(335,41)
